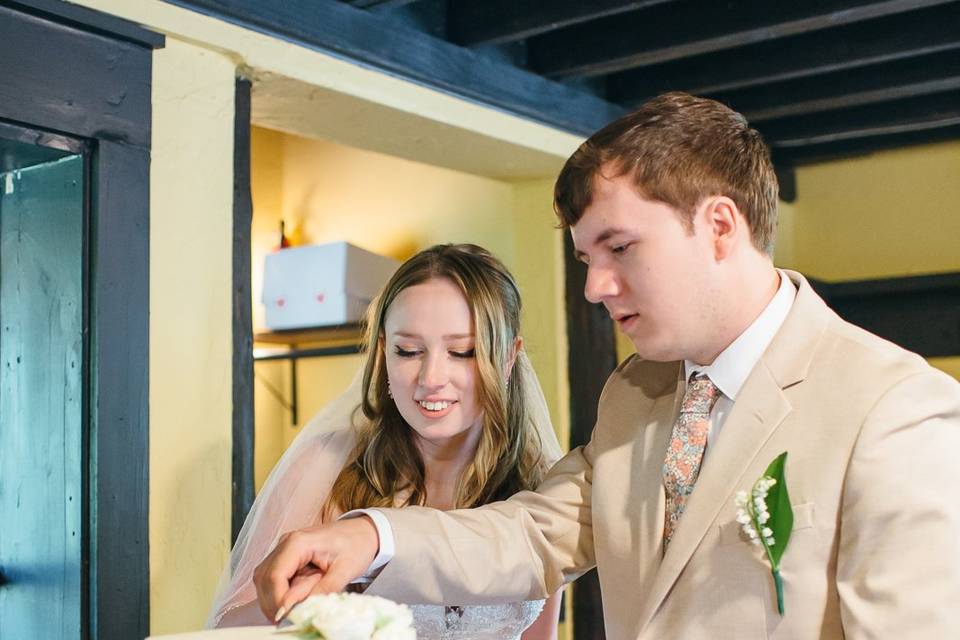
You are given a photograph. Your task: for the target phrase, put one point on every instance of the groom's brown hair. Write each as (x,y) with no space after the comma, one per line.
(679,149)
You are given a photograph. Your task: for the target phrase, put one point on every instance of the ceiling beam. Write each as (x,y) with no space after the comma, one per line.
(848,47)
(870,84)
(826,152)
(473,22)
(387,4)
(911,115)
(667,33)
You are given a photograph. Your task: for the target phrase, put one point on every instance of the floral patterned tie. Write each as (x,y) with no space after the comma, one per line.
(689,439)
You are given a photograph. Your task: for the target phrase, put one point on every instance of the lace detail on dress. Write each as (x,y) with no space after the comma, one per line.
(474,622)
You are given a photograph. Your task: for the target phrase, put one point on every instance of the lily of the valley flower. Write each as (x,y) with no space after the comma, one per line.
(753,514)
(766,517)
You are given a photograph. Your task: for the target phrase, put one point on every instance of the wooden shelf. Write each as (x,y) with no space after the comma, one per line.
(341,334)
(336,340)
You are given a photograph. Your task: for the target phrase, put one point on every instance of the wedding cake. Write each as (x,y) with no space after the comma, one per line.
(351,616)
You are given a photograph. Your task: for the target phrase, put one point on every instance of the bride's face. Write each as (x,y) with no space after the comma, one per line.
(429,348)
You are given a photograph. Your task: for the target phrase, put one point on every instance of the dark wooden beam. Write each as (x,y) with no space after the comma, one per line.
(871,84)
(591,358)
(666,33)
(243,411)
(121,310)
(369,4)
(787,181)
(498,21)
(60,93)
(848,47)
(592,353)
(920,313)
(902,116)
(88,20)
(373,39)
(825,152)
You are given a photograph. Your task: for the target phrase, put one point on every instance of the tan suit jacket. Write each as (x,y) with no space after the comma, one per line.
(873,435)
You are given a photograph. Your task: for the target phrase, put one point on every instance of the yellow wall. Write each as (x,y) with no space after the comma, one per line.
(538,268)
(884,215)
(191,221)
(888,214)
(949,365)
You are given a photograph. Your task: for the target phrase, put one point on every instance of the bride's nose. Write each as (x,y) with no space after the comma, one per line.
(433,372)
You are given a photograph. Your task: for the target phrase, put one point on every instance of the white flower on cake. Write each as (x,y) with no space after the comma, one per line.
(351,616)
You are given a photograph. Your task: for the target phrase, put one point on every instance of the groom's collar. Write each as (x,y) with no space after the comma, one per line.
(793,347)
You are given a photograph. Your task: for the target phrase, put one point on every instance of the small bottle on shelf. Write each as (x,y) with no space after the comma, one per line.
(284,240)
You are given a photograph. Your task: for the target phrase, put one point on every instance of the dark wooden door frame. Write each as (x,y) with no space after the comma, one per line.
(242,485)
(919,313)
(87,75)
(591,358)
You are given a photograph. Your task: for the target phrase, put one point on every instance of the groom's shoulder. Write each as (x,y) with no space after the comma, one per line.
(846,347)
(636,376)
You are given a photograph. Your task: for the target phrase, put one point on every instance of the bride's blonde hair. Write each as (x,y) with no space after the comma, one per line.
(386,462)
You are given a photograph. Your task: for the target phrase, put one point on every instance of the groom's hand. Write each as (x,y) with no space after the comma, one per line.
(310,561)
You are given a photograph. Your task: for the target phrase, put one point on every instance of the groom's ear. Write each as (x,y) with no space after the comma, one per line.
(517,346)
(726,225)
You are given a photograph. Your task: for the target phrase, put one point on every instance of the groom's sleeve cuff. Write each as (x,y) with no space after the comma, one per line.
(384,533)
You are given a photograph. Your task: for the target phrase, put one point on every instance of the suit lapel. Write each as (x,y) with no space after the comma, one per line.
(760,407)
(649,486)
(758,411)
(629,477)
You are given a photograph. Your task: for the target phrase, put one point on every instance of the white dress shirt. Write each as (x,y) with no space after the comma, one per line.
(728,372)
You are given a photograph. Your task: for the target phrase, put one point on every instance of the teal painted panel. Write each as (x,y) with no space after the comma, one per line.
(41,404)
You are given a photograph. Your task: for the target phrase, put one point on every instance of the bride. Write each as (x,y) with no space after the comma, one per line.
(447,414)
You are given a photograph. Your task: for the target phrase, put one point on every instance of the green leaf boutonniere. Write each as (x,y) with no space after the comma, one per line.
(766,517)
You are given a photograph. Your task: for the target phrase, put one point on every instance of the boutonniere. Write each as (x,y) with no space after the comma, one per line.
(766,517)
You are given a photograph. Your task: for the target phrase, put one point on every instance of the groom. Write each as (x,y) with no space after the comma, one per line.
(673,210)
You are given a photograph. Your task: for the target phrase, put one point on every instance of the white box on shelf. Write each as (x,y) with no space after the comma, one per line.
(321,285)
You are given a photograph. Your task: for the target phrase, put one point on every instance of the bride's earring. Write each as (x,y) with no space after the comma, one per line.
(389,391)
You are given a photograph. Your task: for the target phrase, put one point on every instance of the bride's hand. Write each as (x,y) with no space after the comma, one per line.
(310,561)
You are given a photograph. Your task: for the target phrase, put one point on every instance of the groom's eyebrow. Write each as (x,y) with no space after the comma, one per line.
(606,234)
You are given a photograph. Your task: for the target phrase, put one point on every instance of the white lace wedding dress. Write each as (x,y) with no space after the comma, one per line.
(474,622)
